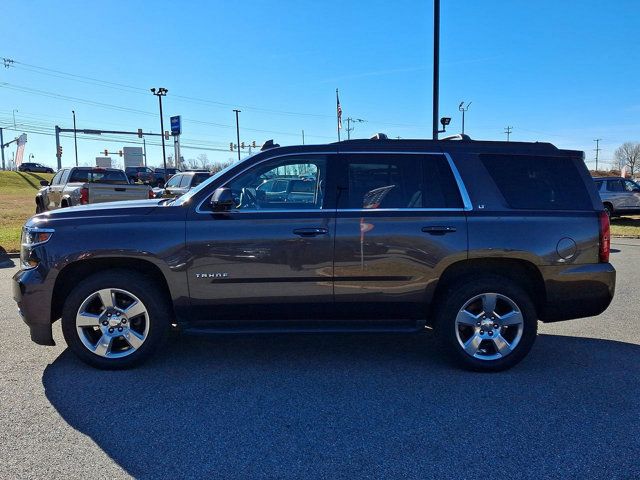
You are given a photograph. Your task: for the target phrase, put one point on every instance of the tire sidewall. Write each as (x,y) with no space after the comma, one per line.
(456,297)
(137,284)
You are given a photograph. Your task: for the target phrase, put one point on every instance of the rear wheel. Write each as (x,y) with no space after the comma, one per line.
(609,209)
(487,324)
(115,319)
(39,207)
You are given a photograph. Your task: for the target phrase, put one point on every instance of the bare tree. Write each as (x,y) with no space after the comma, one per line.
(628,154)
(192,163)
(203,161)
(216,167)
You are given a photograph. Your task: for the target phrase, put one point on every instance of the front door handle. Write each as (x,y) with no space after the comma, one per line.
(311,232)
(438,229)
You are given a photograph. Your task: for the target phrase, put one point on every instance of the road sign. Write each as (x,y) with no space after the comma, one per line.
(176,125)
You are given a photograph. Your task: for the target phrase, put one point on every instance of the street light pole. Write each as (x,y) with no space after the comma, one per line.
(238,132)
(75,138)
(161,92)
(463,109)
(436,65)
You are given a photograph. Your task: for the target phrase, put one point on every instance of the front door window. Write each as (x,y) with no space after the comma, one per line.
(284,184)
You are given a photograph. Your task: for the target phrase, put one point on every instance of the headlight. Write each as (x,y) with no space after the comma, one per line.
(32,237)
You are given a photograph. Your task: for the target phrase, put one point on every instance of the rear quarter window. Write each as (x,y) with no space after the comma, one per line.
(531,182)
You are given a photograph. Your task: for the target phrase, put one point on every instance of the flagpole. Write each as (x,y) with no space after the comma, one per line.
(338,113)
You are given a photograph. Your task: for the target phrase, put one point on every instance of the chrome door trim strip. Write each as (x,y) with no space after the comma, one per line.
(464,194)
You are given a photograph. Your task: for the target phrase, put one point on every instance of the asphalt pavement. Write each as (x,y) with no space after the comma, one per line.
(330,406)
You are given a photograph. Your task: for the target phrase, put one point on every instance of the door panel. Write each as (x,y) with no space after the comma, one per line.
(399,223)
(254,267)
(266,258)
(384,261)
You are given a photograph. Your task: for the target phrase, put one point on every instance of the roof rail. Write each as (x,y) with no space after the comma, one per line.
(379,136)
(457,136)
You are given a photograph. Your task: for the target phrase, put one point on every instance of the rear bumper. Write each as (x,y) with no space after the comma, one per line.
(577,291)
(33,296)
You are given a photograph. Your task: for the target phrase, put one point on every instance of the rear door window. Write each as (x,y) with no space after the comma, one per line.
(614,186)
(397,181)
(531,182)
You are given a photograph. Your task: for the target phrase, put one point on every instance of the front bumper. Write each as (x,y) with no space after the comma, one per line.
(32,293)
(577,291)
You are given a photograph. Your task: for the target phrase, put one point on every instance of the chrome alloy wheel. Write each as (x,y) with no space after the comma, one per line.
(489,326)
(112,323)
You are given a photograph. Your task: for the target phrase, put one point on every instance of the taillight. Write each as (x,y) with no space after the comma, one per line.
(605,237)
(84,196)
(151,194)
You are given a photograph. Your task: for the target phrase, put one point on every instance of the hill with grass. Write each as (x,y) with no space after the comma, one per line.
(17,204)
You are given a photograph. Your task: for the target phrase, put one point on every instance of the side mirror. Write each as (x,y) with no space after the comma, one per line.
(44,183)
(222,200)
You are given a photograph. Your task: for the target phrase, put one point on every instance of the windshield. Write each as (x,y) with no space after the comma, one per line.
(194,191)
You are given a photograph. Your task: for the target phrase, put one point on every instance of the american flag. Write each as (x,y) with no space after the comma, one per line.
(339,112)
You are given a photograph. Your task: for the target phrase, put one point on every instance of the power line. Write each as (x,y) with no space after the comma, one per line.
(133,89)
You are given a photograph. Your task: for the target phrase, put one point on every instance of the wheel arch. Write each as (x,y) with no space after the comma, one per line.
(522,272)
(77,271)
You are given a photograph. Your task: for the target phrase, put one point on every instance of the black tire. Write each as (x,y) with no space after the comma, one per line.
(451,333)
(608,208)
(27,170)
(156,314)
(39,208)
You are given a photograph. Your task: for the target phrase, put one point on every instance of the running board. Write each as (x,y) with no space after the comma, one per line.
(291,326)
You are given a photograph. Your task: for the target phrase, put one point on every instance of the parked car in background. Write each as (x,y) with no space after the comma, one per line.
(34,167)
(84,185)
(181,183)
(620,196)
(159,177)
(475,240)
(139,174)
(298,189)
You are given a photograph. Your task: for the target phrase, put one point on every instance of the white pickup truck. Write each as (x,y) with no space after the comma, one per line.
(84,185)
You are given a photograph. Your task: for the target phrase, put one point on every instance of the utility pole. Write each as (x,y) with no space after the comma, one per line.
(597,149)
(161,92)
(303,137)
(2,148)
(75,138)
(351,129)
(508,131)
(238,131)
(144,150)
(58,150)
(463,109)
(436,65)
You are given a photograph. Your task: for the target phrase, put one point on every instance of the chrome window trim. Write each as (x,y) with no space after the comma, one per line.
(462,189)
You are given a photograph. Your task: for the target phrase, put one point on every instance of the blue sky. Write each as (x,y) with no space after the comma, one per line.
(565,72)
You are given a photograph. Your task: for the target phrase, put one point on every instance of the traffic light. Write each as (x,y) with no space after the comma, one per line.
(106,152)
(139,133)
(59,153)
(242,145)
(231,146)
(120,152)
(166,135)
(253,144)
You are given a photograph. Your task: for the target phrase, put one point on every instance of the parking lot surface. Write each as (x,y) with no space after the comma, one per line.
(330,406)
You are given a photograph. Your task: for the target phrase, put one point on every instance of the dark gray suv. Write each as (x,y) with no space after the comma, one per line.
(475,240)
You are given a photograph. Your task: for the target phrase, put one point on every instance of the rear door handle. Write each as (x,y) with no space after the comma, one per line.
(438,229)
(121,189)
(311,232)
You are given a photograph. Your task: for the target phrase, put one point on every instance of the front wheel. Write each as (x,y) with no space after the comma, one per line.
(115,319)
(487,324)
